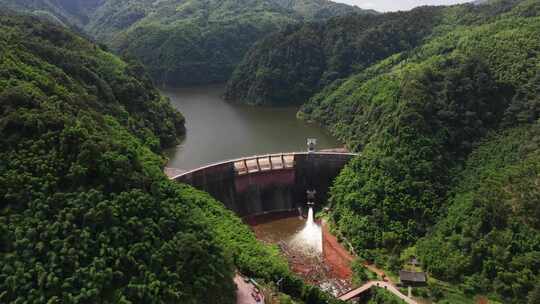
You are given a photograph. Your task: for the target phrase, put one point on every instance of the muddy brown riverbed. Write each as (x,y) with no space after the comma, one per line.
(310,263)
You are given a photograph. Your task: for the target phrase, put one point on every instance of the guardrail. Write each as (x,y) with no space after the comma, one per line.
(260,163)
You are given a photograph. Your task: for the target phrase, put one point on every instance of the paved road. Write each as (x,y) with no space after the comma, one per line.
(243,293)
(381,284)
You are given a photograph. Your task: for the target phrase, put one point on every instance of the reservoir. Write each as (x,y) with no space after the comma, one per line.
(218,130)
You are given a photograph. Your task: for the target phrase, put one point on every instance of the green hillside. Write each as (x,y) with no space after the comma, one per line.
(86,214)
(317,10)
(416,105)
(290,66)
(73,13)
(182,42)
(416,118)
(489,241)
(187,42)
(442,104)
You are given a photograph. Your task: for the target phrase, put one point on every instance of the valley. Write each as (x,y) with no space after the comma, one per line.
(432,193)
(183,42)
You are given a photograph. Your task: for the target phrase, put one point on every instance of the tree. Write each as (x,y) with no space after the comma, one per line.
(534,295)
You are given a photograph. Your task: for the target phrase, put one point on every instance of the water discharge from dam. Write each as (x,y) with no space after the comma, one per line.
(301,241)
(218,131)
(309,239)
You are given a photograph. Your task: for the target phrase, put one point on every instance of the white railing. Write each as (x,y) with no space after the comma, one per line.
(260,163)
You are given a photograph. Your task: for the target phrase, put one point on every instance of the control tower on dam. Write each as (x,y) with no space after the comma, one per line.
(268,183)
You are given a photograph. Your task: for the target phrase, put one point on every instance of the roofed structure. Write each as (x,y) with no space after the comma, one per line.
(412,277)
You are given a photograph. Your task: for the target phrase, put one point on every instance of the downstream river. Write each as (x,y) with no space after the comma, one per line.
(217,130)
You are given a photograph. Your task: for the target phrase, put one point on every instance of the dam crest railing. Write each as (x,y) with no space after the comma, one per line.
(262,163)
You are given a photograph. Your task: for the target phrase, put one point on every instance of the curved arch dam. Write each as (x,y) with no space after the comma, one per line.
(267,183)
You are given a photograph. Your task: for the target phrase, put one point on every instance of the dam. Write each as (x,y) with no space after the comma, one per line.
(264,184)
(270,192)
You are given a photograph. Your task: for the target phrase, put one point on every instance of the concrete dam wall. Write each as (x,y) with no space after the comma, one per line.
(261,184)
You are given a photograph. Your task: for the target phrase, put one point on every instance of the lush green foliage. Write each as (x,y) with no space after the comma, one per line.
(416,111)
(442,103)
(54,65)
(64,12)
(290,66)
(381,296)
(184,41)
(398,184)
(490,238)
(316,10)
(534,296)
(360,273)
(416,118)
(86,214)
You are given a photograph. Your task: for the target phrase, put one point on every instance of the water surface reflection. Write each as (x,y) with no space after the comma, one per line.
(217,130)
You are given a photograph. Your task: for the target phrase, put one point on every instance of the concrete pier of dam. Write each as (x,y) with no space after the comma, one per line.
(268,183)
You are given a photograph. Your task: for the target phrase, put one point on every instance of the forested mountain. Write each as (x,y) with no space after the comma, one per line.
(290,66)
(446,121)
(187,42)
(317,10)
(442,104)
(65,12)
(86,214)
(183,41)
(489,239)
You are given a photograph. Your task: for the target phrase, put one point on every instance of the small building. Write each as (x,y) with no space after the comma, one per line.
(412,278)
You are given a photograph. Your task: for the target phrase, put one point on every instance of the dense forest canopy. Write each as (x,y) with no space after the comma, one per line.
(86,214)
(489,240)
(448,166)
(78,218)
(183,42)
(290,66)
(443,104)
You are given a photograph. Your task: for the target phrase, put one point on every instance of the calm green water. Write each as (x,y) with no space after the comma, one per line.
(217,130)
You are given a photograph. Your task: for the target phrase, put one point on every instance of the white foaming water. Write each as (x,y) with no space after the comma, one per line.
(309,239)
